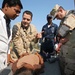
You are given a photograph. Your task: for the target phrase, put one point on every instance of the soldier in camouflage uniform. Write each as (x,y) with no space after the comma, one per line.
(67,33)
(24,37)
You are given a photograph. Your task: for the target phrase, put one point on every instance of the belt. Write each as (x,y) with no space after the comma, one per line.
(47,39)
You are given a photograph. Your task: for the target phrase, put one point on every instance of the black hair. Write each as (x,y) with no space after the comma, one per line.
(49,17)
(23,71)
(12,3)
(28,12)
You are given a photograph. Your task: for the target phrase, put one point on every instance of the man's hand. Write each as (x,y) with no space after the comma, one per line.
(58,46)
(10,60)
(36,67)
(41,61)
(14,67)
(24,54)
(39,35)
(63,40)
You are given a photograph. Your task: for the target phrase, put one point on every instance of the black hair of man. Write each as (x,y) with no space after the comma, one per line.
(49,17)
(12,3)
(28,12)
(23,71)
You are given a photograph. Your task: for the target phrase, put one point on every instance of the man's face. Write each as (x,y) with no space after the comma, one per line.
(60,14)
(13,12)
(26,20)
(49,20)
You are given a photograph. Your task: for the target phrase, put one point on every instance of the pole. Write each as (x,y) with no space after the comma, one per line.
(74,3)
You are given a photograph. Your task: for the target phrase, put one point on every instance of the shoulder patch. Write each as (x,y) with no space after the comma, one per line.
(70,21)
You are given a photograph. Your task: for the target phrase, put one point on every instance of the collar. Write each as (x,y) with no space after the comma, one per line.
(1,13)
(4,16)
(7,19)
(25,28)
(52,24)
(67,12)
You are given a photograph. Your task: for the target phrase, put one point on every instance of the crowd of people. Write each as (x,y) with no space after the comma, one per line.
(19,45)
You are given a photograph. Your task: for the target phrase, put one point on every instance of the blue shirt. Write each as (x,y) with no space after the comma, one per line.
(49,32)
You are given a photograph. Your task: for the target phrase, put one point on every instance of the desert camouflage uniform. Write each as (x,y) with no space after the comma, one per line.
(67,52)
(23,40)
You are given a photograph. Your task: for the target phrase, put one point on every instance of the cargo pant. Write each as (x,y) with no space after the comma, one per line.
(67,55)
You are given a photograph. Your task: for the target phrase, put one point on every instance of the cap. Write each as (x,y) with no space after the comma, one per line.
(49,16)
(54,11)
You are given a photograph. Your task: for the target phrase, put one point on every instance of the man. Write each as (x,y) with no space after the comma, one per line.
(25,39)
(48,37)
(66,32)
(10,10)
(32,64)
(24,36)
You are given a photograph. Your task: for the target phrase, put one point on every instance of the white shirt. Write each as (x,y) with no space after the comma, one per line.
(4,42)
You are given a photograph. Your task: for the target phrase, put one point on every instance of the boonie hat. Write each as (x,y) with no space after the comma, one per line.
(54,11)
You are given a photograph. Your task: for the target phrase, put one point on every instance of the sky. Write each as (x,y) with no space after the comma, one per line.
(40,9)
